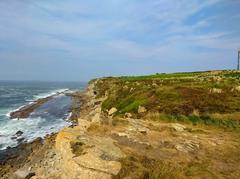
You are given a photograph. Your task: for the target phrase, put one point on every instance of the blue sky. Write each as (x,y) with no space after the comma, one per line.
(76,40)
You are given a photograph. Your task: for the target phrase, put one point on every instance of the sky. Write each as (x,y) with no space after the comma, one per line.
(77,40)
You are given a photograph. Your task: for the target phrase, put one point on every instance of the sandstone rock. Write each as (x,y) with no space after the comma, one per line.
(196,112)
(122,134)
(141,109)
(187,146)
(23,174)
(112,111)
(128,115)
(143,130)
(237,88)
(94,162)
(99,159)
(178,127)
(96,117)
(216,90)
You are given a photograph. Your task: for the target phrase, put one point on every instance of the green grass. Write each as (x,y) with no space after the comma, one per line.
(177,94)
(162,76)
(199,120)
(233,75)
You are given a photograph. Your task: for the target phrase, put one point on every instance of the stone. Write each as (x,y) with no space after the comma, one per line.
(141,109)
(99,160)
(19,133)
(122,134)
(187,146)
(143,130)
(23,174)
(216,90)
(112,111)
(237,88)
(128,115)
(178,127)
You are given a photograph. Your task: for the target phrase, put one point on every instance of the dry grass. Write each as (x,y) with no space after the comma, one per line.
(183,97)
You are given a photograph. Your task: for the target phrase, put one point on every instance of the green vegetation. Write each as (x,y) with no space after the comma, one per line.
(162,76)
(197,120)
(186,97)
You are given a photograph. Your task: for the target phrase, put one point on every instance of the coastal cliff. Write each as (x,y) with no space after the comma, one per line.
(182,125)
(161,126)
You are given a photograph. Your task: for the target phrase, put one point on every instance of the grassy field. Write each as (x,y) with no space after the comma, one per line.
(208,98)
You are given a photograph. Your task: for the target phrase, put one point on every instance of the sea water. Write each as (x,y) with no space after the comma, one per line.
(48,118)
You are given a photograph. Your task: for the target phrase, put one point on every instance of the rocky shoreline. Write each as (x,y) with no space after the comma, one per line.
(24,156)
(104,145)
(40,158)
(15,159)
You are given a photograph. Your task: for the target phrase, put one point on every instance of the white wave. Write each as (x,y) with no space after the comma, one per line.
(51,93)
(32,128)
(37,97)
(69,115)
(8,114)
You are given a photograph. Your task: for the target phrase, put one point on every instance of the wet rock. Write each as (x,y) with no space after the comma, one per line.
(23,174)
(25,111)
(20,140)
(141,109)
(112,111)
(19,133)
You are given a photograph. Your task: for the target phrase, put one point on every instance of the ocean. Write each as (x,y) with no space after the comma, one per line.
(46,119)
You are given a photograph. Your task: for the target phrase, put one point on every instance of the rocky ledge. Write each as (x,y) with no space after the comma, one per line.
(25,111)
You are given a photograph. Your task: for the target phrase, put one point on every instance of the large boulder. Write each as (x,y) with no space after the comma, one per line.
(85,156)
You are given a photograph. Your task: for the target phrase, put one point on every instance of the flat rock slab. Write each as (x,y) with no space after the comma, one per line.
(23,174)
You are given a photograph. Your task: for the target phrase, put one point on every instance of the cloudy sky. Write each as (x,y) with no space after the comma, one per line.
(76,40)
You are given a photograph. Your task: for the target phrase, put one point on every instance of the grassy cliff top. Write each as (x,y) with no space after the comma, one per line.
(210,97)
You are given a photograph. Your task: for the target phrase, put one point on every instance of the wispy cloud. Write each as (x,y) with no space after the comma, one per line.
(99,34)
